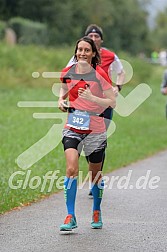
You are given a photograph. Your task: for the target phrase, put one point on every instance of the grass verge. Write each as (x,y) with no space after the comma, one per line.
(137,136)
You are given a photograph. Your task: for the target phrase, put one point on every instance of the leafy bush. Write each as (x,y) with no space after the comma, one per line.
(29,32)
(2,29)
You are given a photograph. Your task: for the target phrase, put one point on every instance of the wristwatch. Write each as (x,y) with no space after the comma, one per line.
(119,87)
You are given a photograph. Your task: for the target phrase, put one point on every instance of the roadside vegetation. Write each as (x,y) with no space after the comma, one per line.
(137,136)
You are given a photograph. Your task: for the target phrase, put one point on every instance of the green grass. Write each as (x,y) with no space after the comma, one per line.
(137,136)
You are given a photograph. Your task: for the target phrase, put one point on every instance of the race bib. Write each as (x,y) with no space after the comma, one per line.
(79,120)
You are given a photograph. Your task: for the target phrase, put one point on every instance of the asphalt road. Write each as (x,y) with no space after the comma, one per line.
(134,211)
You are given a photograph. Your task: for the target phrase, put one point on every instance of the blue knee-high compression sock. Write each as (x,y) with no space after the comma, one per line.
(97,192)
(70,189)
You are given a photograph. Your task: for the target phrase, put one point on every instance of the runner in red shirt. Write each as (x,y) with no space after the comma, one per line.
(90,92)
(97,81)
(109,63)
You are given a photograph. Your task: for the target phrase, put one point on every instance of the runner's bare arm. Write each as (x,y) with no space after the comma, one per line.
(62,98)
(108,101)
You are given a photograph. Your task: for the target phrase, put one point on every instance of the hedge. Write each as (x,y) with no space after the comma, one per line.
(29,32)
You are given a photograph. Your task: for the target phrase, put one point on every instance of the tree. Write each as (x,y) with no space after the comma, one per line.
(159,33)
(124,22)
(38,10)
(128,29)
(8,9)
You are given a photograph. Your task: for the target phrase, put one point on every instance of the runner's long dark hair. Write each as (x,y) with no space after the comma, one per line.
(96,58)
